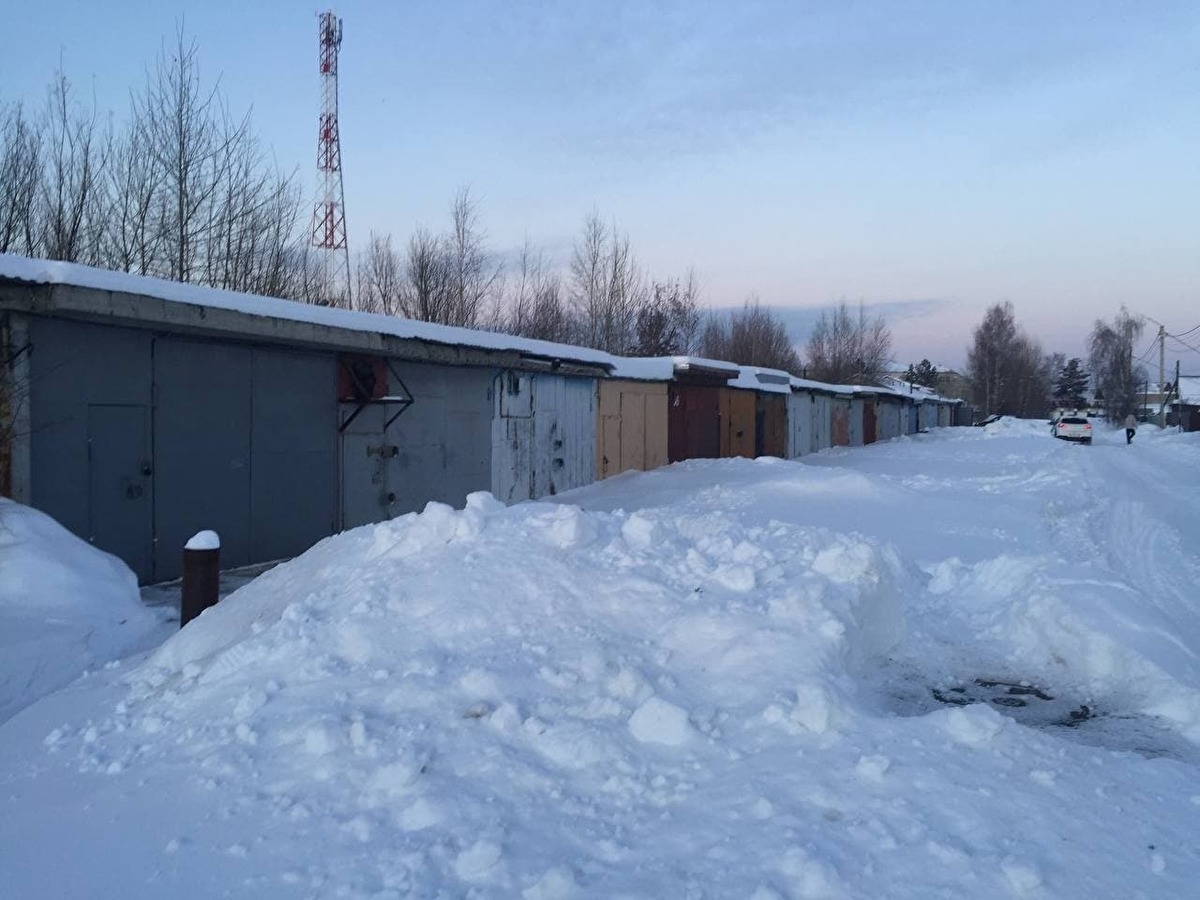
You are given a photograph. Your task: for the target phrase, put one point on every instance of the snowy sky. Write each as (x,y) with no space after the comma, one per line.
(723,678)
(932,158)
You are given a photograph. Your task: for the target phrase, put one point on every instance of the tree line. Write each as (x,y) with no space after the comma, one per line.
(1012,375)
(181,188)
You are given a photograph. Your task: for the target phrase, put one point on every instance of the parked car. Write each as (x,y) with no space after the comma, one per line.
(1072,428)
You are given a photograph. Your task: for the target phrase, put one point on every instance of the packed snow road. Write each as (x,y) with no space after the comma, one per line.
(962,664)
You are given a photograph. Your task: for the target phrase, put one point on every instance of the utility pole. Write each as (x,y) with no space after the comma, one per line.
(1162,374)
(1179,401)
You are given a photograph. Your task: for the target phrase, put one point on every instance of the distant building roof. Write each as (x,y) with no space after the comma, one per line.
(1189,389)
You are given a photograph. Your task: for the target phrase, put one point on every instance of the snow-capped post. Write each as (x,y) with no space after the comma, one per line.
(201,575)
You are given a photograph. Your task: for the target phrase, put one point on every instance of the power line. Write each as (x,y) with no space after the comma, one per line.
(1184,343)
(1149,350)
(1164,327)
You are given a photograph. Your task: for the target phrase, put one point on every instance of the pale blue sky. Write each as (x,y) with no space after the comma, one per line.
(950,154)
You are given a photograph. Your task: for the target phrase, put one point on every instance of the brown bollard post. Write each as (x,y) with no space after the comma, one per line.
(201,575)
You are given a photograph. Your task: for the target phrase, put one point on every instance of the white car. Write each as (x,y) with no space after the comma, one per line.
(1073,428)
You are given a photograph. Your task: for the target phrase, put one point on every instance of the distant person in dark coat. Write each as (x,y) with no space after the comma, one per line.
(1130,428)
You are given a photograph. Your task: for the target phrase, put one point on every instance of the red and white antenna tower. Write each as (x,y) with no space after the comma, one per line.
(329,216)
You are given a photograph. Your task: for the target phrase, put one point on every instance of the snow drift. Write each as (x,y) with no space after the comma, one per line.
(64,607)
(718,679)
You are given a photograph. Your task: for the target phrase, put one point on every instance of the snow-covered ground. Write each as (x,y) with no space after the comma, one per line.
(64,607)
(961,664)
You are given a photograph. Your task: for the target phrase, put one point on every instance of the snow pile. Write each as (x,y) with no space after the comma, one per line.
(64,607)
(959,665)
(539,677)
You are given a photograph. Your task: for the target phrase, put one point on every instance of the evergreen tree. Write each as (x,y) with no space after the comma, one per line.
(923,373)
(1071,387)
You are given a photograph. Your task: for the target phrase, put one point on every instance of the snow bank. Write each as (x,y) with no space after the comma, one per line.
(725,678)
(413,681)
(64,607)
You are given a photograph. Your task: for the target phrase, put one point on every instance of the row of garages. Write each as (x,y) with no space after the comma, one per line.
(138,412)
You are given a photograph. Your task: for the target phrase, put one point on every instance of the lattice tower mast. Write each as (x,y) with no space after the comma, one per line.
(329,216)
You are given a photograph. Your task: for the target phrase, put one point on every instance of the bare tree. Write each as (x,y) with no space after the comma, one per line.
(278,233)
(473,277)
(239,250)
(753,336)
(668,320)
(1114,372)
(182,191)
(73,165)
(607,286)
(380,277)
(304,276)
(20,176)
(588,261)
(551,319)
(186,130)
(522,289)
(1030,385)
(848,349)
(990,357)
(134,238)
(426,292)
(535,306)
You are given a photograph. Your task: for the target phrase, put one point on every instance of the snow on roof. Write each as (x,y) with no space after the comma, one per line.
(914,391)
(41,271)
(1189,389)
(665,368)
(756,378)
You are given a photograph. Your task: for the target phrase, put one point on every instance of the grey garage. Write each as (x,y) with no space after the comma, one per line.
(142,411)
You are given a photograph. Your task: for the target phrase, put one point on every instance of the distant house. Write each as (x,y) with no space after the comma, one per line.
(1186,409)
(951,384)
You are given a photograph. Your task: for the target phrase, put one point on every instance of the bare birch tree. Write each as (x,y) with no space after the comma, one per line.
(473,277)
(607,286)
(1114,371)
